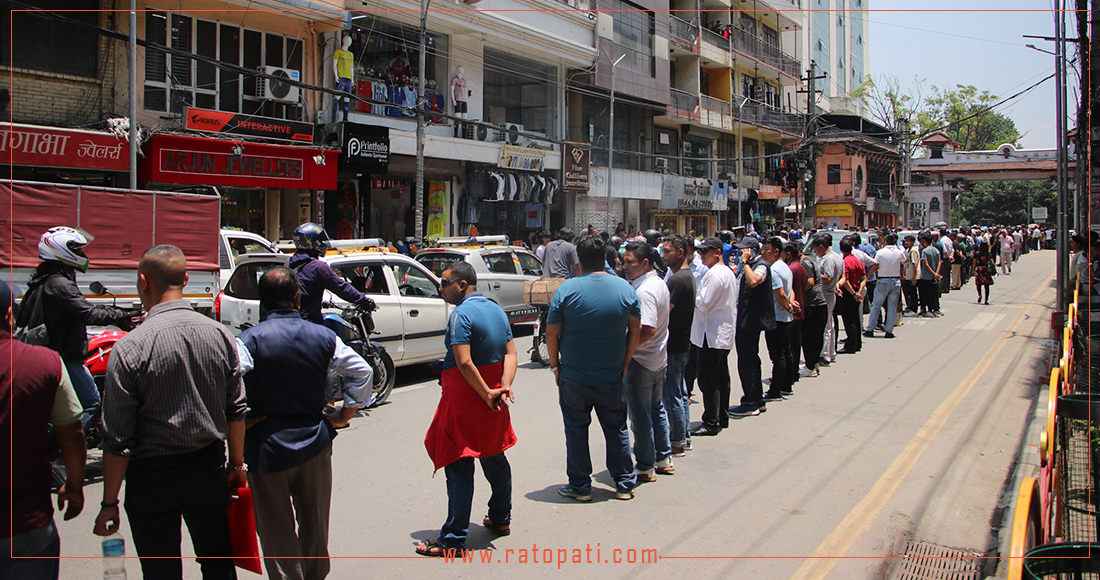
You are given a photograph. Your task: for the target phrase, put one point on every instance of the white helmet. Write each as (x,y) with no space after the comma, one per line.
(66,245)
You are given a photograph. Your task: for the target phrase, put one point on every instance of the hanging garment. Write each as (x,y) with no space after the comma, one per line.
(513,187)
(497,185)
(533,213)
(410,101)
(396,97)
(435,105)
(552,191)
(381,92)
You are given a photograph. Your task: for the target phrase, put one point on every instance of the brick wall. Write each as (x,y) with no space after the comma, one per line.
(45,98)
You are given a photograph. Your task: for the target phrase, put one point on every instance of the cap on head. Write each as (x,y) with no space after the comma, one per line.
(709,243)
(748,242)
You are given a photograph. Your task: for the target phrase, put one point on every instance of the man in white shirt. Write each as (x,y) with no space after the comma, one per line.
(645,374)
(712,334)
(1018,246)
(888,266)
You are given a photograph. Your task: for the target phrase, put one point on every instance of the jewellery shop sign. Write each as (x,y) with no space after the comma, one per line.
(686,193)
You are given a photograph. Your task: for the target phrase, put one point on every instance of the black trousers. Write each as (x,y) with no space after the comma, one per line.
(813,334)
(161,490)
(714,384)
(909,291)
(747,343)
(929,295)
(779,349)
(849,312)
(796,346)
(691,369)
(869,299)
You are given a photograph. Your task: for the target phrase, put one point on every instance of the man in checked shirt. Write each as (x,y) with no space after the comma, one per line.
(172,401)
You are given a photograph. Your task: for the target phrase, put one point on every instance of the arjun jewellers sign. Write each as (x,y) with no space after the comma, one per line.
(251,125)
(36,146)
(175,159)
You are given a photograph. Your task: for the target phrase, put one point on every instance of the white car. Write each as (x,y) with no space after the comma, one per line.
(411,319)
(234,243)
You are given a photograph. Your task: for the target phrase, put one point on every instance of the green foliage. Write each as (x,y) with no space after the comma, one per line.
(964,114)
(1004,202)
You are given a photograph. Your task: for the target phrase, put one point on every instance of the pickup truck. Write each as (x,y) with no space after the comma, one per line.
(124,224)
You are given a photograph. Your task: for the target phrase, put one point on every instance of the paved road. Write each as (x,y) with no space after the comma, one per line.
(913,438)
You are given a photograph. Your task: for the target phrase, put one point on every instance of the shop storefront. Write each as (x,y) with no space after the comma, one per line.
(263,186)
(56,155)
(690,204)
(834,215)
(512,197)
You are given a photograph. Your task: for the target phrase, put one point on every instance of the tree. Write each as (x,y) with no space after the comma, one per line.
(888,102)
(965,114)
(1004,202)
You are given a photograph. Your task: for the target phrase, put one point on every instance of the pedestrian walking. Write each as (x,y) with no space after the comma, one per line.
(677,254)
(593,327)
(984,272)
(778,339)
(38,392)
(755,314)
(286,361)
(560,256)
(172,401)
(712,332)
(472,419)
(645,373)
(888,267)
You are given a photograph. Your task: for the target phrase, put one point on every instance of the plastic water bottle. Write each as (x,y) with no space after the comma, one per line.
(114,565)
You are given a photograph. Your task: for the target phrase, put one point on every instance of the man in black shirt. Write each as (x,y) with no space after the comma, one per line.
(677,255)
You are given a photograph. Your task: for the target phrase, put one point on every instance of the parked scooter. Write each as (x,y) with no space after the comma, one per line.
(354,326)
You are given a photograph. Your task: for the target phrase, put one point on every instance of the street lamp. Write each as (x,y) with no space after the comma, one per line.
(611,136)
(740,163)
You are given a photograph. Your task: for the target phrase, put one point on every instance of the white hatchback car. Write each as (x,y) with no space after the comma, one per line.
(411,319)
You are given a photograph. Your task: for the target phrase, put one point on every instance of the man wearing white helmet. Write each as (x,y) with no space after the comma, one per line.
(66,312)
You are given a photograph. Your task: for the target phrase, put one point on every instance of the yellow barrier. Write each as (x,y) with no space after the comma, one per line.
(1027,527)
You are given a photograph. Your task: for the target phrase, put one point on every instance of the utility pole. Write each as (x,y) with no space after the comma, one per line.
(420,106)
(810,132)
(133,95)
(1060,140)
(611,138)
(904,217)
(740,162)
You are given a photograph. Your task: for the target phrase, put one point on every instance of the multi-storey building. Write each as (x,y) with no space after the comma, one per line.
(835,40)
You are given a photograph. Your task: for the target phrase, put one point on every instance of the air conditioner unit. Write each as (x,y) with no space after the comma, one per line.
(511,133)
(660,164)
(274,89)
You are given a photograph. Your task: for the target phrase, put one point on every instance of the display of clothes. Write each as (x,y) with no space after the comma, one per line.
(495,185)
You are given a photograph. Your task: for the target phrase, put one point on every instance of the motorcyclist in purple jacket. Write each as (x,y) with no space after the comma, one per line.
(316,275)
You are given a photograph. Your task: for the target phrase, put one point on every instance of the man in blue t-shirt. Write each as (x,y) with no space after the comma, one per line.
(472,419)
(593,328)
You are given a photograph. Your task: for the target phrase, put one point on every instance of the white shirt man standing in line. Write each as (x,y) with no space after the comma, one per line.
(712,331)
(888,266)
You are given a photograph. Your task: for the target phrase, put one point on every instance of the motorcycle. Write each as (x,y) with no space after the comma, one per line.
(354,325)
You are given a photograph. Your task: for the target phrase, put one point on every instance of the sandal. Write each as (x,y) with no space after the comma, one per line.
(499,529)
(433,549)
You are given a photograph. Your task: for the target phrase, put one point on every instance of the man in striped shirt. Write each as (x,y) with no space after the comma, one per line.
(173,399)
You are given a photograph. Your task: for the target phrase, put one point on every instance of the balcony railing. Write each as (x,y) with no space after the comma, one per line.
(684,105)
(714,105)
(760,114)
(754,46)
(716,39)
(685,32)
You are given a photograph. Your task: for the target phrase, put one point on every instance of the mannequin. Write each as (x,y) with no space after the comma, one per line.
(343,63)
(459,92)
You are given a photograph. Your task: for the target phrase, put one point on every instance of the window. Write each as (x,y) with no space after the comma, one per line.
(499,262)
(749,151)
(530,264)
(859,40)
(366,278)
(820,45)
(840,20)
(696,149)
(727,156)
(174,82)
(52,46)
(521,91)
(411,281)
(834,174)
(634,28)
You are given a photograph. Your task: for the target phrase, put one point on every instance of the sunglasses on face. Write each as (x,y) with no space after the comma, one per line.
(445,282)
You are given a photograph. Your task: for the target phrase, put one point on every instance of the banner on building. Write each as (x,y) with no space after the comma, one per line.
(251,125)
(36,146)
(691,194)
(833,210)
(577,161)
(770,192)
(365,148)
(522,158)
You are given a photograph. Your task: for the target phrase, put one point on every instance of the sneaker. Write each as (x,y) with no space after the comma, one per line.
(823,363)
(570,491)
(937,313)
(706,430)
(927,315)
(770,398)
(687,445)
(665,466)
(678,451)
(814,373)
(787,393)
(645,476)
(909,314)
(624,495)
(869,333)
(805,372)
(746,410)
(889,335)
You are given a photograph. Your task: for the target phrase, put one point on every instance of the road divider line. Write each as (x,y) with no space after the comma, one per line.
(863,515)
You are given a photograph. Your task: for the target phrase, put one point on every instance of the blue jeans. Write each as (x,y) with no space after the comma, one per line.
(339,102)
(675,397)
(32,555)
(577,403)
(888,292)
(85,389)
(460,497)
(648,421)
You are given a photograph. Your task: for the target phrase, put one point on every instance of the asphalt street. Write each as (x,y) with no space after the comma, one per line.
(912,439)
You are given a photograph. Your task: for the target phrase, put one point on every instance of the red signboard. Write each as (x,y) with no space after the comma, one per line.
(177,159)
(37,146)
(770,192)
(241,124)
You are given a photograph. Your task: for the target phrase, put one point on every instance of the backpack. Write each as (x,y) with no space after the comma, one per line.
(30,324)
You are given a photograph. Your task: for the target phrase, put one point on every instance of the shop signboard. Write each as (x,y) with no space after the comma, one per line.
(250,125)
(365,148)
(38,146)
(521,158)
(690,194)
(770,192)
(179,159)
(577,162)
(833,210)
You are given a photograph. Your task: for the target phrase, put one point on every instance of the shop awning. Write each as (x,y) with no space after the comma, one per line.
(221,162)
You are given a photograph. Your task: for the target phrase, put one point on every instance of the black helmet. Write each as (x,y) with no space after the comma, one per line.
(726,236)
(652,237)
(311,238)
(615,242)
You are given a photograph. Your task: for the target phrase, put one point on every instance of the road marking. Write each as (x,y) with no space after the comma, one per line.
(983,321)
(859,520)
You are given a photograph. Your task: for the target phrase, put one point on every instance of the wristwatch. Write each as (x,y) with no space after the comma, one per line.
(554,369)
